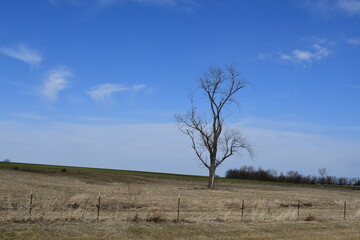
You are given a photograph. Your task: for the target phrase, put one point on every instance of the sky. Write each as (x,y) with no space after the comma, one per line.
(96,83)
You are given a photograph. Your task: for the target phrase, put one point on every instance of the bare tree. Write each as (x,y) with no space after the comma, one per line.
(211,140)
(322,172)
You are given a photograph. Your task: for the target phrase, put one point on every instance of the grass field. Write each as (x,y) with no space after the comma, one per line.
(143,205)
(80,170)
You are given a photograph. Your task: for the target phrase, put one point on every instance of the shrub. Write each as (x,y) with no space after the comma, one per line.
(310,218)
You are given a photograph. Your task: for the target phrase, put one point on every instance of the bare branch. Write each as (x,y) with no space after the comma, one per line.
(198,152)
(232,143)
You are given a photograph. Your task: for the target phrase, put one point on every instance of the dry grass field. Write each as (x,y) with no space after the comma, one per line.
(136,207)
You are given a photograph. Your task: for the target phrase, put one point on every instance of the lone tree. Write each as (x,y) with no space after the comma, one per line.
(322,172)
(211,140)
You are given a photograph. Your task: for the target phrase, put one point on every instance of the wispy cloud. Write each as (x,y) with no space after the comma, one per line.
(104,92)
(354,42)
(329,8)
(27,115)
(306,57)
(56,81)
(23,53)
(263,57)
(351,7)
(137,87)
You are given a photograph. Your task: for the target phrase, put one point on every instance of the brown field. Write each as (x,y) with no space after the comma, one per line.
(135,207)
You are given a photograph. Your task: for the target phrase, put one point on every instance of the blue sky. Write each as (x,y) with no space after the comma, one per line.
(96,82)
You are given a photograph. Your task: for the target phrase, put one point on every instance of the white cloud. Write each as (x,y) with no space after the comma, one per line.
(329,8)
(285,56)
(23,53)
(56,81)
(104,92)
(321,52)
(351,7)
(138,87)
(305,57)
(354,42)
(302,55)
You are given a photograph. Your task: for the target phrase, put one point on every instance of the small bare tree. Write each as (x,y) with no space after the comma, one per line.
(212,142)
(322,172)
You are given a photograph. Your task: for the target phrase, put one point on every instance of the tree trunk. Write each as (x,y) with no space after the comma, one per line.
(211,177)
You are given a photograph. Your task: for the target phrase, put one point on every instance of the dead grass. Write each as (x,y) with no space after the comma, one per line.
(328,230)
(136,202)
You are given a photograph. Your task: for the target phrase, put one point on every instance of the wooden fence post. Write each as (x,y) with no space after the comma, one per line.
(178,209)
(298,209)
(30,203)
(98,207)
(344,210)
(242,209)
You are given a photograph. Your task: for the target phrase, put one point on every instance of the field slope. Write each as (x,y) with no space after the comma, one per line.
(144,205)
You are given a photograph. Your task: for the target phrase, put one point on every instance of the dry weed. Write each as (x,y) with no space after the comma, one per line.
(155,216)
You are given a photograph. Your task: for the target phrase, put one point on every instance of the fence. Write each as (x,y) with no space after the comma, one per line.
(108,207)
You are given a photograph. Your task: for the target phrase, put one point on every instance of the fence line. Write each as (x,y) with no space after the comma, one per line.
(309,211)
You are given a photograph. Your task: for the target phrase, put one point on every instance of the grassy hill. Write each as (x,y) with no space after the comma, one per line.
(71,169)
(44,168)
